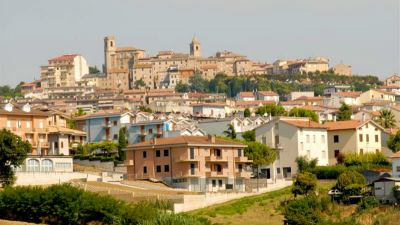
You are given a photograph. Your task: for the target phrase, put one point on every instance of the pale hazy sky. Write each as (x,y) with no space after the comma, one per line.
(363,33)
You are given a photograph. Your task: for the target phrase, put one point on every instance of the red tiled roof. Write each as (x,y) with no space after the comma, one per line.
(253,103)
(246,94)
(64,57)
(304,124)
(350,94)
(344,125)
(193,140)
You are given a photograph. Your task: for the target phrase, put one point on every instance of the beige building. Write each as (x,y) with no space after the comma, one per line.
(342,69)
(376,95)
(353,136)
(63,71)
(393,80)
(303,66)
(195,163)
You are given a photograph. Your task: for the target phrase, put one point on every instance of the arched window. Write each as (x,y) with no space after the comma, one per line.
(33,165)
(47,165)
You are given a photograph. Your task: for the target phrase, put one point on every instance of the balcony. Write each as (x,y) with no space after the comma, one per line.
(187,159)
(188,173)
(214,158)
(242,159)
(217,174)
(244,174)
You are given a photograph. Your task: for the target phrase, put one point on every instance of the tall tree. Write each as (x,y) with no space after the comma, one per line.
(386,119)
(197,83)
(345,112)
(393,142)
(261,155)
(181,87)
(271,109)
(300,112)
(93,70)
(122,143)
(247,112)
(249,135)
(13,151)
(231,132)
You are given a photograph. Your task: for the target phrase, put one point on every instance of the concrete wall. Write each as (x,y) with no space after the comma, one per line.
(104,166)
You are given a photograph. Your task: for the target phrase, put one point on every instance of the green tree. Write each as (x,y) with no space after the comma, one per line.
(107,147)
(80,112)
(386,119)
(306,165)
(198,84)
(271,109)
(145,109)
(93,70)
(13,151)
(300,112)
(231,132)
(247,112)
(71,124)
(139,83)
(350,183)
(394,142)
(249,135)
(181,87)
(304,211)
(345,112)
(305,183)
(122,143)
(261,155)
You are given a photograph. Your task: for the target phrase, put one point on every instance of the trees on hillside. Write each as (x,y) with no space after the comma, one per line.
(249,135)
(386,119)
(271,109)
(13,151)
(345,112)
(300,112)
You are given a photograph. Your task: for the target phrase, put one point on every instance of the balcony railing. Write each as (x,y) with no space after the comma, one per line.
(242,159)
(188,173)
(214,158)
(187,159)
(217,174)
(244,174)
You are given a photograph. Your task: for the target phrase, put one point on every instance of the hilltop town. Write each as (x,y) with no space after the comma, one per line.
(204,130)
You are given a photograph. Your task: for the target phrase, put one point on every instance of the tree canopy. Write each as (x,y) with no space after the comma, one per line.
(93,70)
(300,112)
(230,132)
(394,142)
(122,143)
(271,109)
(386,119)
(260,154)
(304,184)
(13,151)
(249,135)
(345,112)
(246,112)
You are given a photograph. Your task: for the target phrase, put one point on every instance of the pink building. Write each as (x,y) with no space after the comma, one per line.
(195,163)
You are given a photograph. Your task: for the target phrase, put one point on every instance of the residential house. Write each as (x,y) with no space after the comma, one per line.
(297,94)
(210,110)
(336,88)
(393,80)
(268,96)
(246,96)
(342,69)
(336,99)
(200,164)
(377,95)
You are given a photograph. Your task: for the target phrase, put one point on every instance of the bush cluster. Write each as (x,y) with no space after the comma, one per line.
(353,159)
(65,204)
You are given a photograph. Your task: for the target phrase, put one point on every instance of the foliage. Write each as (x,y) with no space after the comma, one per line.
(305,211)
(13,151)
(71,124)
(122,143)
(93,70)
(179,219)
(247,112)
(145,109)
(394,142)
(345,112)
(386,119)
(271,109)
(65,204)
(231,132)
(260,153)
(305,183)
(305,165)
(300,112)
(8,92)
(328,172)
(181,87)
(368,202)
(350,183)
(198,84)
(249,135)
(139,83)
(80,112)
(354,159)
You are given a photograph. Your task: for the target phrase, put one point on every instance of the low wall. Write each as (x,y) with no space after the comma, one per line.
(41,178)
(104,166)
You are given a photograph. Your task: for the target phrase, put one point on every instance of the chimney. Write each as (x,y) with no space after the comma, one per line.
(211,138)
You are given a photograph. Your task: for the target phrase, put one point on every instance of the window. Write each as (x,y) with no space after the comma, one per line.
(19,124)
(307,138)
(115,137)
(158,153)
(278,170)
(336,139)
(144,169)
(144,154)
(62,144)
(28,124)
(158,169)
(166,152)
(217,152)
(240,167)
(115,123)
(376,138)
(150,131)
(398,168)
(360,137)
(366,125)
(323,154)
(8,123)
(214,183)
(220,183)
(239,151)
(166,168)
(33,165)
(47,165)
(191,153)
(337,152)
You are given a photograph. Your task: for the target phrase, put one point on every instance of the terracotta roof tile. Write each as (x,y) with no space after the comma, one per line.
(182,140)
(350,94)
(344,125)
(305,124)
(64,57)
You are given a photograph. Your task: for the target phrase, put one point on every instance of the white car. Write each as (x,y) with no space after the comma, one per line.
(334,192)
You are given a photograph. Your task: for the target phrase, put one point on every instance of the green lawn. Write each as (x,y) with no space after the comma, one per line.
(256,210)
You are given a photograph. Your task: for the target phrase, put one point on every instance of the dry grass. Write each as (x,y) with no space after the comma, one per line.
(8,222)
(383,215)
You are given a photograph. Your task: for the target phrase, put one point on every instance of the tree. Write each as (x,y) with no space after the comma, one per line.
(394,142)
(181,87)
(93,70)
(145,109)
(231,132)
(13,151)
(300,112)
(106,147)
(139,83)
(345,112)
(261,155)
(305,165)
(350,183)
(249,135)
(305,211)
(247,112)
(80,112)
(386,119)
(198,84)
(122,143)
(271,109)
(304,184)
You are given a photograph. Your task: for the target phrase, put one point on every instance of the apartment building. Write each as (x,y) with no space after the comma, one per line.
(336,99)
(201,164)
(63,71)
(353,136)
(210,110)
(377,95)
(292,137)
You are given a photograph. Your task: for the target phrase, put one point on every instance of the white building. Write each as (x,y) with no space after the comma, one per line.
(268,96)
(211,110)
(293,137)
(337,98)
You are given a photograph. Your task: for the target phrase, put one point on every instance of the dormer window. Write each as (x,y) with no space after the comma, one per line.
(8,107)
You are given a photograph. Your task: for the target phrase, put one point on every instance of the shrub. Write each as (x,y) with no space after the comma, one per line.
(306,165)
(368,202)
(328,172)
(304,184)
(305,211)
(354,159)
(348,178)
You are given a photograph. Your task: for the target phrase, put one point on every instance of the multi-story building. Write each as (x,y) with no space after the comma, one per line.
(304,66)
(293,137)
(393,80)
(328,91)
(377,95)
(353,136)
(201,164)
(63,71)
(337,98)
